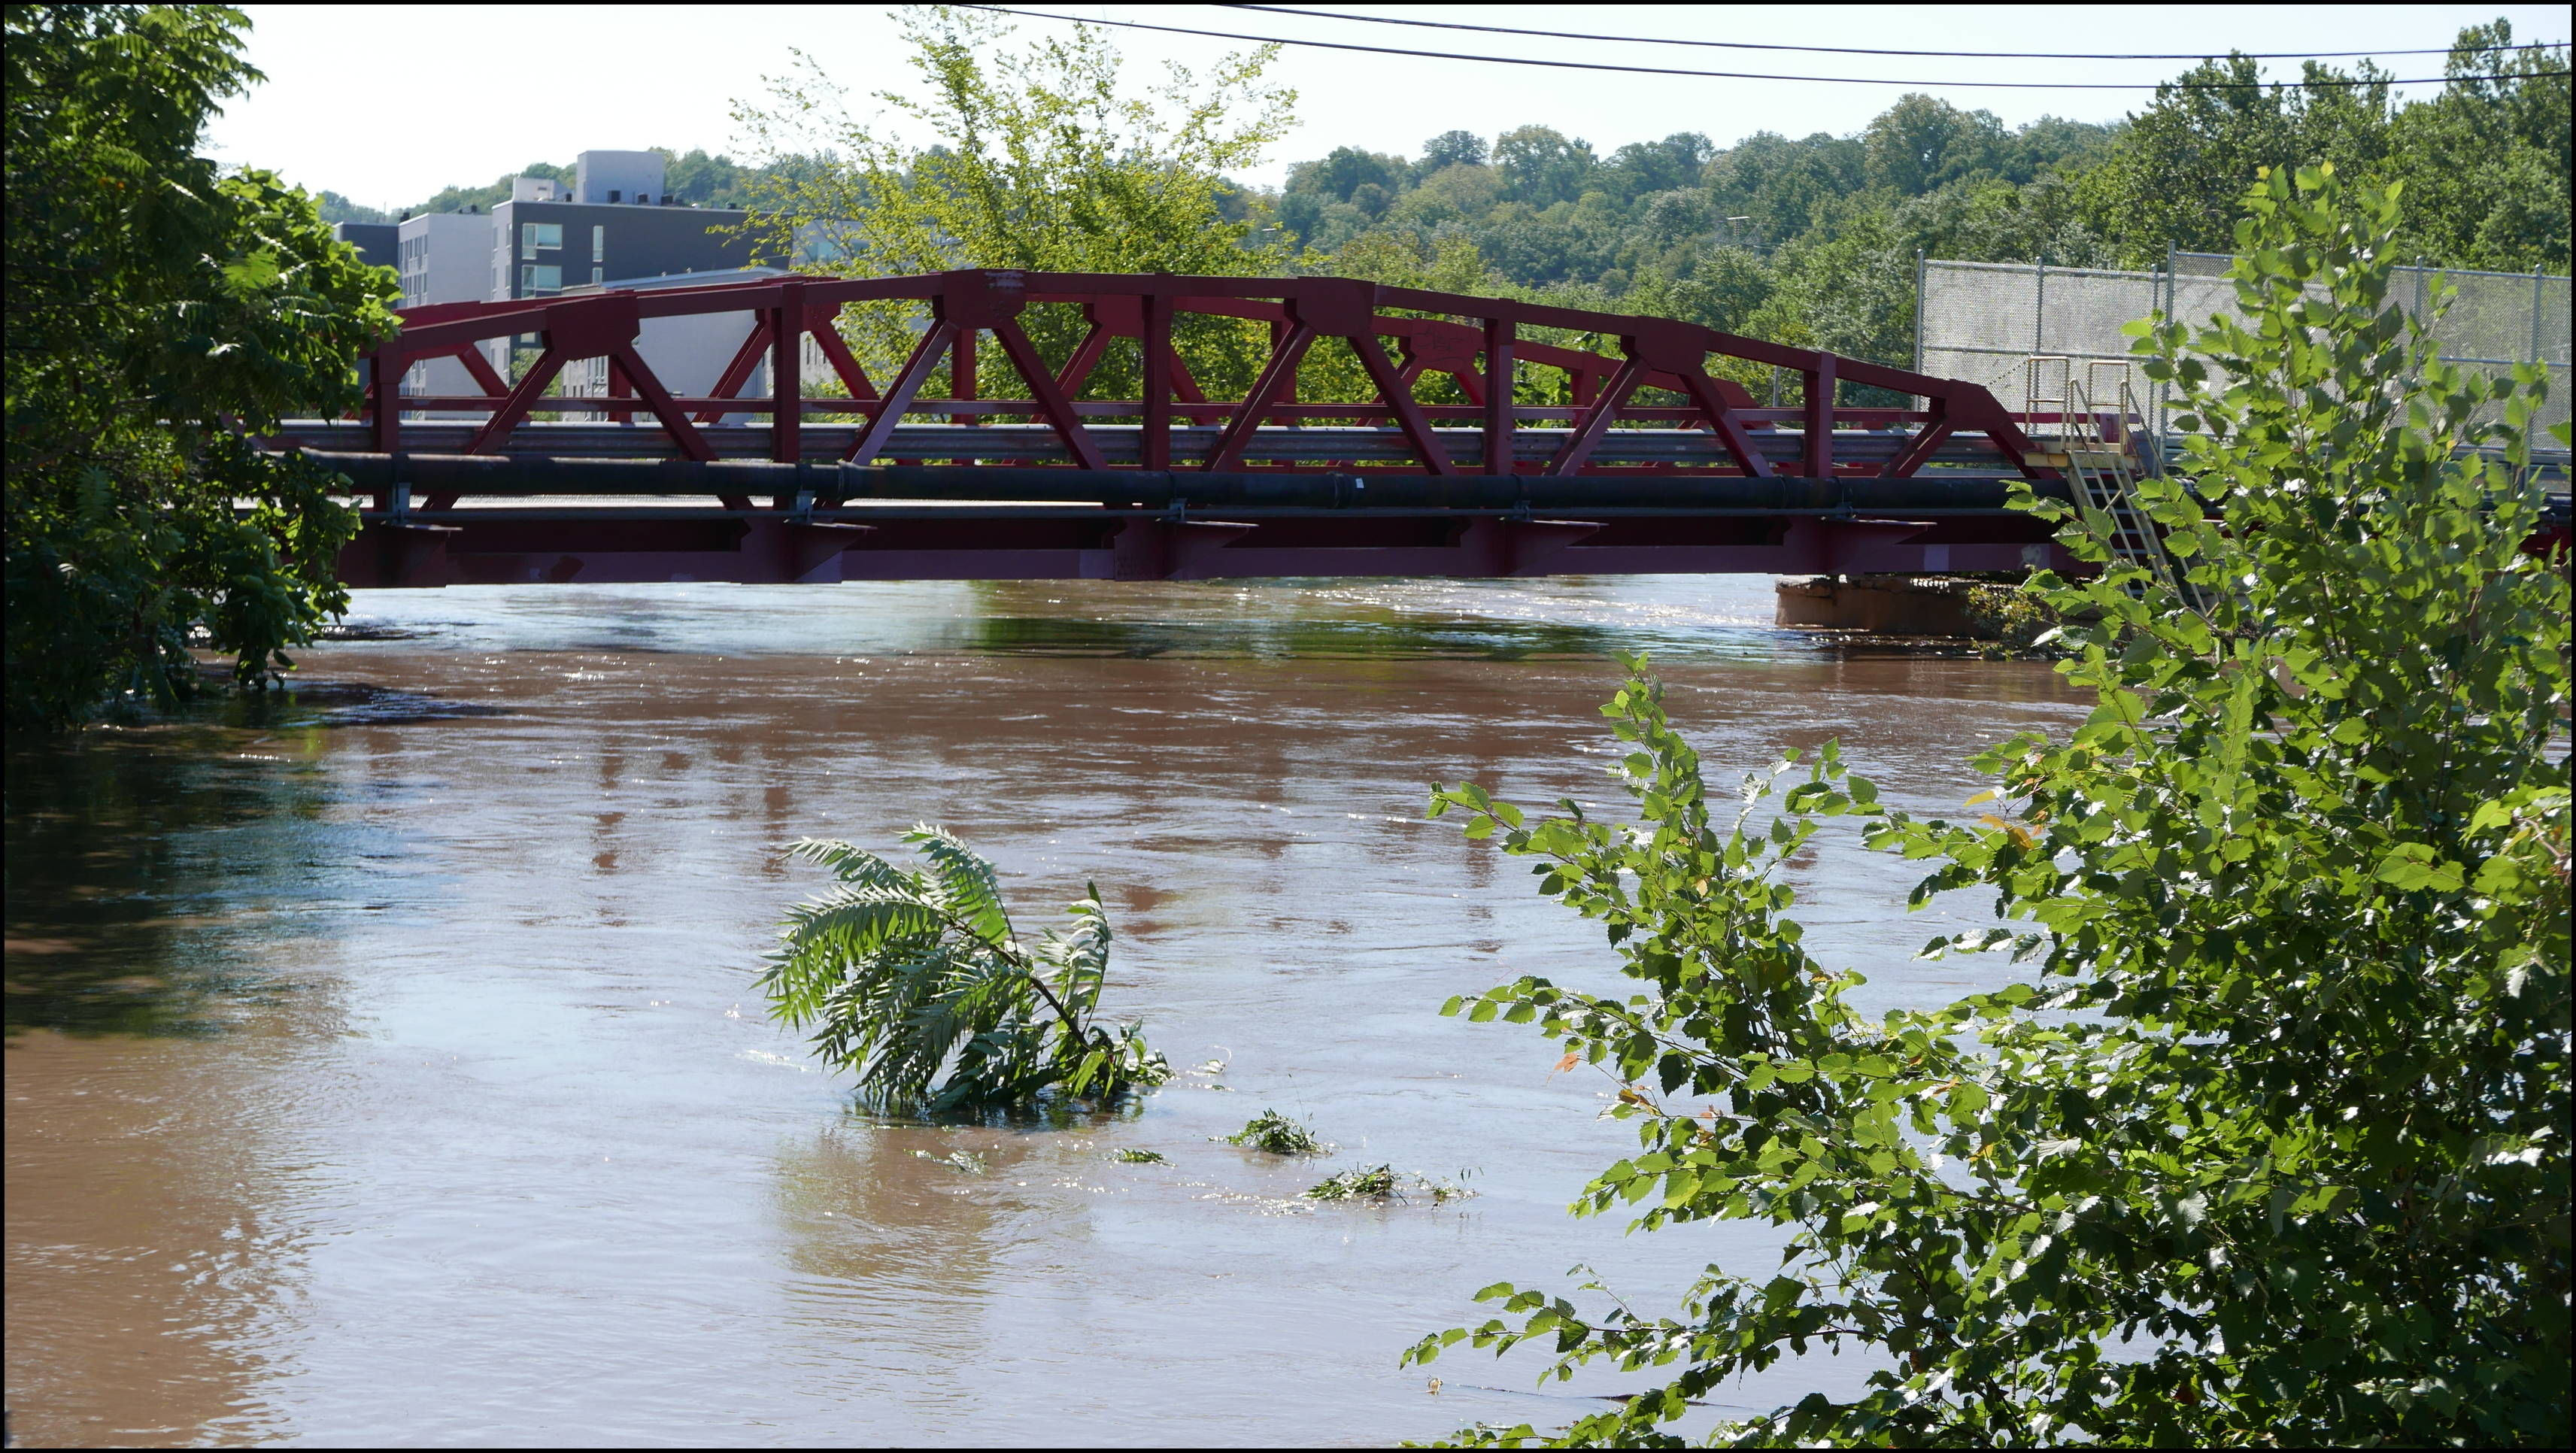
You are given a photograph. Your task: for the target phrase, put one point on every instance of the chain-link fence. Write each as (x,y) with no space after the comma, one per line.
(1983,321)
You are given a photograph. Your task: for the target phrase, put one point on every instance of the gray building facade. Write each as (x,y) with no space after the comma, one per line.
(374,241)
(617,222)
(539,248)
(614,221)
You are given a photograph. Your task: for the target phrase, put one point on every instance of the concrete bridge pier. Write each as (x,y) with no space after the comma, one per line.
(1885,605)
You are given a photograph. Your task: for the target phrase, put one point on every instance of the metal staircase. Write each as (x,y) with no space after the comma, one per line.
(2102,445)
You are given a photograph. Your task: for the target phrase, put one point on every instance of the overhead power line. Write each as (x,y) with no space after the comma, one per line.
(1501,60)
(1996,55)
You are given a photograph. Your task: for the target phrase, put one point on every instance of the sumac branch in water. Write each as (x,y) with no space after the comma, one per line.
(915,980)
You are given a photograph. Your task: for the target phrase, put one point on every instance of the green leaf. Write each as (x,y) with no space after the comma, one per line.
(2415,866)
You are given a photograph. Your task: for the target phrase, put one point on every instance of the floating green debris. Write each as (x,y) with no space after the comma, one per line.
(1376,1182)
(1277,1134)
(1381,1183)
(965,1160)
(1141,1157)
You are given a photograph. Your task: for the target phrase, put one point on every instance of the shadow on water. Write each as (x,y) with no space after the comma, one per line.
(146,858)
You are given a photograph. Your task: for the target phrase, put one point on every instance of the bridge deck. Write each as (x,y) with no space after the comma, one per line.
(496,519)
(1854,451)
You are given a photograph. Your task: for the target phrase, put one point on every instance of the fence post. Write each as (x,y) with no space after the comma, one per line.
(2164,388)
(2535,312)
(1918,310)
(2039,312)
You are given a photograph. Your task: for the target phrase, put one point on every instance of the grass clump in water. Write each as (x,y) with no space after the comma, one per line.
(1371,1183)
(1277,1134)
(965,1160)
(1381,1183)
(1141,1157)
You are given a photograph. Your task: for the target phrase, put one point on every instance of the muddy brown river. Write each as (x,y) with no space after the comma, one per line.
(384,1067)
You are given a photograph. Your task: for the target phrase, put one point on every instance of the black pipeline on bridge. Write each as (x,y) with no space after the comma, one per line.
(821,484)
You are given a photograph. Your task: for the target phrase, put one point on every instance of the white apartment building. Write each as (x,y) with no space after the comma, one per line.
(615,219)
(441,258)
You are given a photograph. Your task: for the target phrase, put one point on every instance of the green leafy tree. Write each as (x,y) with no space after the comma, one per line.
(920,985)
(2175,175)
(332,207)
(1447,201)
(1922,142)
(1643,168)
(1992,220)
(497,191)
(161,314)
(1726,290)
(706,181)
(1542,166)
(1038,159)
(1786,187)
(2055,144)
(2273,1149)
(1848,289)
(1448,149)
(2486,162)
(1344,170)
(1673,219)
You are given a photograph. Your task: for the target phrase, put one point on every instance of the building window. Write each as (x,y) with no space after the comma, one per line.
(536,235)
(599,244)
(534,279)
(598,275)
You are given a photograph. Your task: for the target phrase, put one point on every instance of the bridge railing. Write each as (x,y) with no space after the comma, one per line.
(1477,342)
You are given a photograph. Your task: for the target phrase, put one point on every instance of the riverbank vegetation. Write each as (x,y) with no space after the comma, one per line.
(160,311)
(915,979)
(2272,1146)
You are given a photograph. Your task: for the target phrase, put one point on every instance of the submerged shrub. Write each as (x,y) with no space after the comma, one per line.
(922,987)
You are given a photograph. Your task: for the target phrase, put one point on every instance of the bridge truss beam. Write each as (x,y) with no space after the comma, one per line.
(1648,461)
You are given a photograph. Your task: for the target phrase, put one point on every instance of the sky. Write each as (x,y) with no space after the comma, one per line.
(388,104)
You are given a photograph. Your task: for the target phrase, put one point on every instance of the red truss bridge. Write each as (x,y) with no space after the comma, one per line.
(1655,464)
